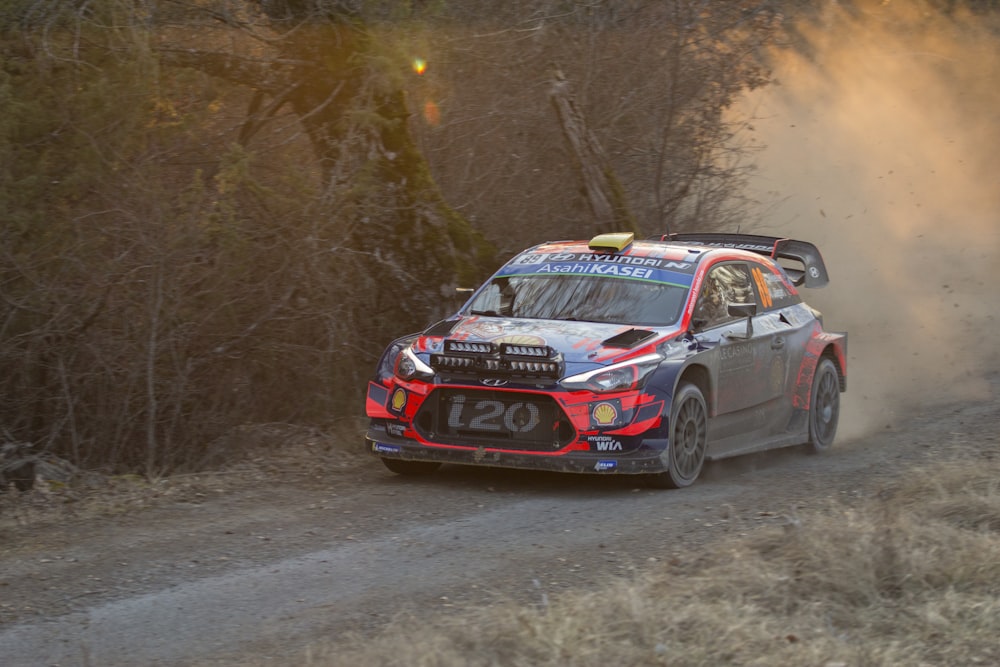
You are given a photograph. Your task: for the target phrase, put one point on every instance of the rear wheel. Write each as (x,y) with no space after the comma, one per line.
(688,439)
(824,406)
(411,468)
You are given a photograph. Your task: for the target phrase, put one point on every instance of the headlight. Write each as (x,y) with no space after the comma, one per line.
(624,376)
(409,366)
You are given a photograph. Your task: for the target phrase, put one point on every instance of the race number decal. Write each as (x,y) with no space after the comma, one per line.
(762,288)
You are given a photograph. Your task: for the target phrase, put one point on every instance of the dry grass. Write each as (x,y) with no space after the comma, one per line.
(911,577)
(251,457)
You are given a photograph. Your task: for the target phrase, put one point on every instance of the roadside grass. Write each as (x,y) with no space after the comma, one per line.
(253,456)
(908,577)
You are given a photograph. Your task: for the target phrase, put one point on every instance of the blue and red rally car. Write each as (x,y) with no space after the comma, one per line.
(618,356)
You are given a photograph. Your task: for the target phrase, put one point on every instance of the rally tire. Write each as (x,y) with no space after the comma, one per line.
(688,439)
(824,406)
(411,468)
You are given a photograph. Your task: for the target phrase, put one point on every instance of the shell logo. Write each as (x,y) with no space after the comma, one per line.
(398,399)
(605,414)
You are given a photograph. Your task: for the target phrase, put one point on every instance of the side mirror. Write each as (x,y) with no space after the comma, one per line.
(747,310)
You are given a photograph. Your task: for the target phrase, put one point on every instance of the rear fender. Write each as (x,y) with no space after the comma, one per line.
(822,344)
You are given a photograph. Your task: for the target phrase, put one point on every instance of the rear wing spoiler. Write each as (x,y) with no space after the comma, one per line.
(811,272)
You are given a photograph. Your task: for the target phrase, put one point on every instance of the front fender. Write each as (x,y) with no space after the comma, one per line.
(670,373)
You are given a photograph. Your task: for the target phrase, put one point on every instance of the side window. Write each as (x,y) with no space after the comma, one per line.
(724,284)
(773,291)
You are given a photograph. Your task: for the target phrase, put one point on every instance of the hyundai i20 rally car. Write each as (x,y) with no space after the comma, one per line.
(618,356)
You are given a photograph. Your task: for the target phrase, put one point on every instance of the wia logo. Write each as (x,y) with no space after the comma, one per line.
(608,446)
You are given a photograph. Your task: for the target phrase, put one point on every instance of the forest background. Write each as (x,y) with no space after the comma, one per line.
(216,213)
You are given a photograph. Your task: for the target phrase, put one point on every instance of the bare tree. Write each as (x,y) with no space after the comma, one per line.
(603,192)
(654,83)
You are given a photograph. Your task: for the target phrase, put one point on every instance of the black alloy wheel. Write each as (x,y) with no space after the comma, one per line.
(824,406)
(688,439)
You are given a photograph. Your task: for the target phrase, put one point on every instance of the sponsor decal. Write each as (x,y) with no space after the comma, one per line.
(599,269)
(398,399)
(604,443)
(605,414)
(380,448)
(618,266)
(736,350)
(395,430)
(762,288)
(599,258)
(605,465)
(695,288)
(738,245)
(534,258)
(491,415)
(736,356)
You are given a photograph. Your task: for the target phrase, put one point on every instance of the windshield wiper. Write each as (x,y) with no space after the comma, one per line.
(487,313)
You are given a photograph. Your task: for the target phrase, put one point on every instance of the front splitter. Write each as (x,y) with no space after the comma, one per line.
(632,463)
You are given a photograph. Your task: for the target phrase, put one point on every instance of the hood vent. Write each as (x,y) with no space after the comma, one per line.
(629,339)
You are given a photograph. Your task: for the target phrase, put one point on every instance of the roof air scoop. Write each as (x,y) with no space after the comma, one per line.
(615,242)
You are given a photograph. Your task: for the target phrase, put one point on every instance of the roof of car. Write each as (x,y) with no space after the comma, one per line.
(685,251)
(691,253)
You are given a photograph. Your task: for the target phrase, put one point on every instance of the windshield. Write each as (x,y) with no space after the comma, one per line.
(584,298)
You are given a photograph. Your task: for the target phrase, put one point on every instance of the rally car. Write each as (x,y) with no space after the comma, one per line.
(618,356)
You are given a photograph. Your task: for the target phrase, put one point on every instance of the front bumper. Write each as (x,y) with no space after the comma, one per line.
(647,459)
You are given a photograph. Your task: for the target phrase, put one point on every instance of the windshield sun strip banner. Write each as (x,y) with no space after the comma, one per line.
(673,264)
(643,273)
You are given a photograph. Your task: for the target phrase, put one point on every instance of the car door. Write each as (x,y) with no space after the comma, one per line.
(740,351)
(786,332)
(735,351)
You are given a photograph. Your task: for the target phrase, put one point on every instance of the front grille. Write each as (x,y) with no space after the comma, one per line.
(495,419)
(504,361)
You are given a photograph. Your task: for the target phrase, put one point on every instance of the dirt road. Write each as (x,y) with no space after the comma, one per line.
(266,569)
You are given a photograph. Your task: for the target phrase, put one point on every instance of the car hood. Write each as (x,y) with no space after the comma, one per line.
(578,342)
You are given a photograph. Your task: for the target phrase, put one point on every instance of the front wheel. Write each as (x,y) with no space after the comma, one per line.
(411,468)
(824,406)
(688,439)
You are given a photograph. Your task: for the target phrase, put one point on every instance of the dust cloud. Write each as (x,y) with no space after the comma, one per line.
(883,148)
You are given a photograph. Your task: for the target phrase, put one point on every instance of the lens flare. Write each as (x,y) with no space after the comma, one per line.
(432,114)
(419,66)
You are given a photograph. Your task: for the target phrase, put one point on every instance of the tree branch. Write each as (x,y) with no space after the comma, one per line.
(270,76)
